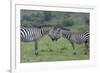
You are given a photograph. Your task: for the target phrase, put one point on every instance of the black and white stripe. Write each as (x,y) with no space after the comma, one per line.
(76,37)
(34,34)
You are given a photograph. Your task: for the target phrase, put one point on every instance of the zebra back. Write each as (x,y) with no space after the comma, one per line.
(77,37)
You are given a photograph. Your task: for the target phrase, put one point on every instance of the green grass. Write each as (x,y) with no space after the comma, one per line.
(61,51)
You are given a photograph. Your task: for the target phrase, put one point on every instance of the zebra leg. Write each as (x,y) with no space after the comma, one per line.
(36,47)
(87,48)
(87,45)
(73,47)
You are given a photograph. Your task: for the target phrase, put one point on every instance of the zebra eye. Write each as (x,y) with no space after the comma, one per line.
(58,32)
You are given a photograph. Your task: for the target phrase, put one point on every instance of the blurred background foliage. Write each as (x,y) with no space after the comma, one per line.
(73,20)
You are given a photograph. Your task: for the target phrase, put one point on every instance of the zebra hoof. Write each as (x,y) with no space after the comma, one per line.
(74,53)
(63,48)
(50,50)
(36,53)
(85,53)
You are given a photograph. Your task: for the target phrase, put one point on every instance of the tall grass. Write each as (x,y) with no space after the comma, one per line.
(60,50)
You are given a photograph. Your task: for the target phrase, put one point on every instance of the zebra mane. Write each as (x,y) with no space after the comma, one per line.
(62,27)
(37,26)
(41,26)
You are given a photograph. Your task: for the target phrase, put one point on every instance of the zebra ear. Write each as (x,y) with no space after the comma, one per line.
(58,29)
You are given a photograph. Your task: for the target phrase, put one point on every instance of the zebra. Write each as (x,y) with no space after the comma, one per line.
(52,34)
(28,34)
(74,37)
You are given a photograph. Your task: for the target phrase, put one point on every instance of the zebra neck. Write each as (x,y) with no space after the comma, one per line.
(43,31)
(66,35)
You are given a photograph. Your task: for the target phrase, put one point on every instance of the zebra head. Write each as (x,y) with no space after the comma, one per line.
(51,31)
(57,33)
(53,35)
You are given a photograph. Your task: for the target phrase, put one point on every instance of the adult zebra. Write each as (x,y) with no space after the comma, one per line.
(35,33)
(74,37)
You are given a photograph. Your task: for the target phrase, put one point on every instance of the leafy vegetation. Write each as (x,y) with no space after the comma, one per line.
(72,20)
(60,50)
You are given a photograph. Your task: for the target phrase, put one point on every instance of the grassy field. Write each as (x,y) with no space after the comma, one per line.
(60,50)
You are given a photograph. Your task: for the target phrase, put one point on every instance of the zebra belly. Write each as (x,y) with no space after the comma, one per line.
(77,39)
(30,38)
